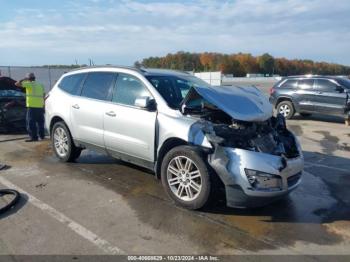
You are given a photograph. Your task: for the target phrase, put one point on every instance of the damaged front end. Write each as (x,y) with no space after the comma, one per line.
(12,106)
(258,161)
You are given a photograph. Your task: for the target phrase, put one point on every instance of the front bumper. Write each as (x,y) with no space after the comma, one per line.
(230,165)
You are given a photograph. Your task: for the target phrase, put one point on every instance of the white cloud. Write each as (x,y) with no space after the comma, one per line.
(130,29)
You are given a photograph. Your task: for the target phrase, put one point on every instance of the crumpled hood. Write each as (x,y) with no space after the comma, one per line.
(7,83)
(241,103)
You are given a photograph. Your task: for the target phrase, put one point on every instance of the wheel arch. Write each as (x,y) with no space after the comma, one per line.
(169,144)
(54,120)
(287,98)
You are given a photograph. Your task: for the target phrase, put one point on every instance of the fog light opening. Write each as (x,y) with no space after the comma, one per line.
(263,181)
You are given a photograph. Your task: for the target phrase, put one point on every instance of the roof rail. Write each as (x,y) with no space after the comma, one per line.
(310,75)
(164,70)
(140,70)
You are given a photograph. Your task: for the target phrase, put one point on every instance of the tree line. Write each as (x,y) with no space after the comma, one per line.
(241,64)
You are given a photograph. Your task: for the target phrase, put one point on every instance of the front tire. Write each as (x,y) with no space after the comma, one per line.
(62,143)
(185,177)
(286,109)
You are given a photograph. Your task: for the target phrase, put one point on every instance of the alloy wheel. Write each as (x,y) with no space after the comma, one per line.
(184,178)
(61,141)
(284,110)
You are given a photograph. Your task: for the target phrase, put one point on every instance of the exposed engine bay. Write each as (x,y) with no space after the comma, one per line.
(270,136)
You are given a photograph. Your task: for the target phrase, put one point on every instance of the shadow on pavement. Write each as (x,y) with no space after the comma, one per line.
(321,118)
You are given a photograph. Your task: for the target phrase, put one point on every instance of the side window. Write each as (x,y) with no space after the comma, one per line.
(291,83)
(71,83)
(98,85)
(128,89)
(325,85)
(306,84)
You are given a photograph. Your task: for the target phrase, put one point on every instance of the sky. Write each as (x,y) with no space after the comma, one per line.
(120,32)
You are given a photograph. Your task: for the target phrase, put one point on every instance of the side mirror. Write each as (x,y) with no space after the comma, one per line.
(339,89)
(146,102)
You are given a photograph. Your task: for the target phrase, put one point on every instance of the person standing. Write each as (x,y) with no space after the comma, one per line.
(35,106)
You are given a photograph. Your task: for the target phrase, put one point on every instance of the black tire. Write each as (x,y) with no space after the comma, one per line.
(286,108)
(202,196)
(305,114)
(77,153)
(72,152)
(13,202)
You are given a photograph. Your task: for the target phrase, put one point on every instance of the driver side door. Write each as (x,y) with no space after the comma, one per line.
(329,99)
(129,129)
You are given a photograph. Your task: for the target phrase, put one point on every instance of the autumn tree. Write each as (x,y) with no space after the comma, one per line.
(240,64)
(266,63)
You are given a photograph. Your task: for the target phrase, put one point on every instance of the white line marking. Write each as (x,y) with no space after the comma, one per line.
(310,164)
(74,226)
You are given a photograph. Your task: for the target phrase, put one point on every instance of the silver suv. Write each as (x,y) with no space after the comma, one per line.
(197,138)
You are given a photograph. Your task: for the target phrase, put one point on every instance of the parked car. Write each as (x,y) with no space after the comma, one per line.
(197,138)
(12,106)
(311,94)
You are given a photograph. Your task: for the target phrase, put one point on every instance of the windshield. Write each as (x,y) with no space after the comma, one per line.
(174,88)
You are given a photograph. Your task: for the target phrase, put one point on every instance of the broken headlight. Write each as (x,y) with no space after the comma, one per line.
(263,181)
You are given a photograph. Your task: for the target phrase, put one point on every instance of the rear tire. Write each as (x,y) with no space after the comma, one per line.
(62,143)
(185,177)
(286,109)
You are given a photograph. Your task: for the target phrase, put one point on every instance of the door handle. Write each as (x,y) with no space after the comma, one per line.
(111,113)
(76,106)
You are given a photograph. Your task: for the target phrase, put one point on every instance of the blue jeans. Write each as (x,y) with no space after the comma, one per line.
(35,122)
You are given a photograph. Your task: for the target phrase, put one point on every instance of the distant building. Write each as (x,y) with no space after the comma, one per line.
(249,75)
(213,78)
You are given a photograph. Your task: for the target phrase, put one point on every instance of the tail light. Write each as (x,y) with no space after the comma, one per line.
(271,90)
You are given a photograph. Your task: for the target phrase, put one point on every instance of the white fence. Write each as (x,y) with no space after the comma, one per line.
(213,78)
(45,75)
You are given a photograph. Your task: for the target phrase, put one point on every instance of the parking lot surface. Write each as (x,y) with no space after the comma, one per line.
(102,206)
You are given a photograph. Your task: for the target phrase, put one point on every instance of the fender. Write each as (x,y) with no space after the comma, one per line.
(295,103)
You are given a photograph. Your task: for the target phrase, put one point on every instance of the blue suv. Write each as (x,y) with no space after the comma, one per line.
(311,94)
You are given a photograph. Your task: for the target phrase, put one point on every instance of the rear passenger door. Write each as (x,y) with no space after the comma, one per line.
(87,110)
(328,99)
(305,95)
(129,129)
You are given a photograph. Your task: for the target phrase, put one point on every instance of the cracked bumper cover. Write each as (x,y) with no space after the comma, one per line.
(230,165)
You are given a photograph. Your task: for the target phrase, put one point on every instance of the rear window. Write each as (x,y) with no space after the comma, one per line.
(306,83)
(71,83)
(98,85)
(290,83)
